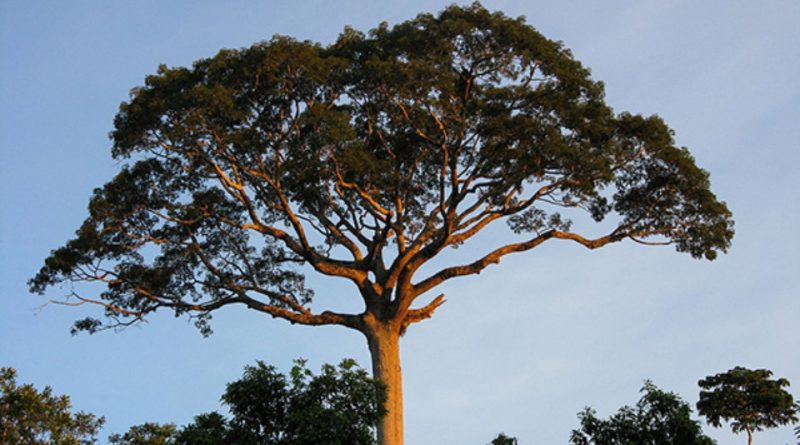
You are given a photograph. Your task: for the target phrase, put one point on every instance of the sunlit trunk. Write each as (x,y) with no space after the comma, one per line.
(384,346)
(749,436)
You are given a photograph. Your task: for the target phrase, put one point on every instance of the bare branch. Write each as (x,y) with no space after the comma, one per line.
(83,300)
(425,312)
(494,257)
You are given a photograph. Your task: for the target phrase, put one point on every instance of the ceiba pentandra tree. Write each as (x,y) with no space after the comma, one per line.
(364,160)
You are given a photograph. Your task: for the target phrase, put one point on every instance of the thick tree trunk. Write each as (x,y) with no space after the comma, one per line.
(384,346)
(749,436)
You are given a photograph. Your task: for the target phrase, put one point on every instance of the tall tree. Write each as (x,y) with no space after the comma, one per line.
(364,160)
(32,417)
(659,418)
(749,399)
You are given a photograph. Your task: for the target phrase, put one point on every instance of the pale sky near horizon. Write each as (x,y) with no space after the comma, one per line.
(522,348)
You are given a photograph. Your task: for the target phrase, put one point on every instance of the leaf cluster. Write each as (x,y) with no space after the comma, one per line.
(146,434)
(659,418)
(32,417)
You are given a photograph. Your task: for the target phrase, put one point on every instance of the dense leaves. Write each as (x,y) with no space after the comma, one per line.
(339,406)
(364,159)
(749,399)
(32,417)
(146,434)
(659,418)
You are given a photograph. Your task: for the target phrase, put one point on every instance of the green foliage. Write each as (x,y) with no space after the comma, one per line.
(340,406)
(31,417)
(209,429)
(659,418)
(749,399)
(146,434)
(288,152)
(502,439)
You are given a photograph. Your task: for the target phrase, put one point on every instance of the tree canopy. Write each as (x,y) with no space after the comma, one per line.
(749,399)
(659,418)
(365,159)
(32,417)
(383,147)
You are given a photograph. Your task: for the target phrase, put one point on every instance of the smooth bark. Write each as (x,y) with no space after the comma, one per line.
(384,347)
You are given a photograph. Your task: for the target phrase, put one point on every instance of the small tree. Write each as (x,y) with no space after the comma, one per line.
(659,418)
(31,417)
(749,399)
(339,406)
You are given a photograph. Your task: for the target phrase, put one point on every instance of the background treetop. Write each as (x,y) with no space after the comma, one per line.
(659,418)
(341,405)
(750,399)
(32,417)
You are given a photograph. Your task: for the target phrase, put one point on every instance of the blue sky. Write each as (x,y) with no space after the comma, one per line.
(520,349)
